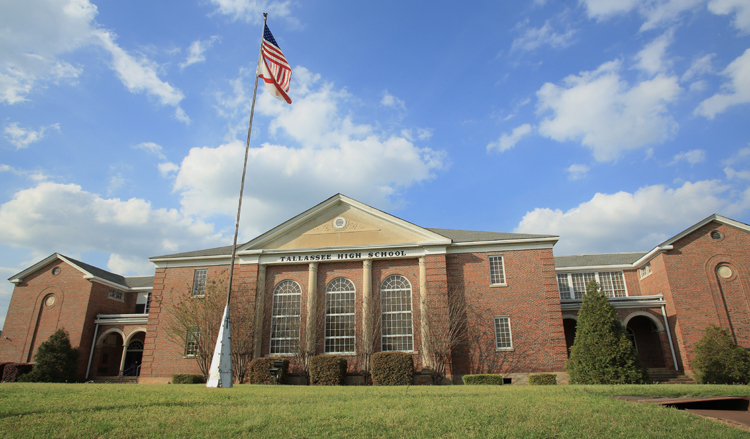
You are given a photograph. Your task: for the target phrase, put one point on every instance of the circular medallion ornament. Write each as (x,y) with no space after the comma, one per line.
(50,301)
(56,271)
(339,223)
(724,272)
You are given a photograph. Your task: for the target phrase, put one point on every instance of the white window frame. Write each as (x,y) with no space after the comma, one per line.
(281,291)
(505,319)
(350,315)
(503,281)
(191,341)
(116,295)
(409,338)
(200,279)
(597,276)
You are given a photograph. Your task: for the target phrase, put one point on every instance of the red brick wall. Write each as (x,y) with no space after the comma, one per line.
(530,299)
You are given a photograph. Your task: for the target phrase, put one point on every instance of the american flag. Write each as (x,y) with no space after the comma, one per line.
(274,70)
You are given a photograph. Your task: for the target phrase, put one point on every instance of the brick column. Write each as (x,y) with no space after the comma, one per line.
(311,331)
(260,311)
(367,307)
(424,322)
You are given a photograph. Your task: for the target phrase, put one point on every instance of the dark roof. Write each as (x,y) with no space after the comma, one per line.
(98,272)
(571,261)
(216,251)
(477,236)
(139,281)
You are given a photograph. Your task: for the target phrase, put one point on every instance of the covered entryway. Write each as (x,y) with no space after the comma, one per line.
(134,356)
(569,325)
(643,331)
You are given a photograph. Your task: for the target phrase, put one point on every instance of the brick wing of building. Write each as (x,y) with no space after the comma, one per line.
(343,277)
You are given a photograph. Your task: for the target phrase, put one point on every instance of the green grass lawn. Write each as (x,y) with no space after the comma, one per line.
(137,411)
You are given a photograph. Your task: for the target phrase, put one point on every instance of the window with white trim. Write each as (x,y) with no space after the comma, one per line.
(116,295)
(645,270)
(191,341)
(199,282)
(285,317)
(396,327)
(503,338)
(573,285)
(340,313)
(497,270)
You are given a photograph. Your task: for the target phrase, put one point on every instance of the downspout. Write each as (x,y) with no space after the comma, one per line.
(669,336)
(91,354)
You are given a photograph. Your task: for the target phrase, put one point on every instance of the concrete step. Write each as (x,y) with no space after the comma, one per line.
(114,380)
(668,376)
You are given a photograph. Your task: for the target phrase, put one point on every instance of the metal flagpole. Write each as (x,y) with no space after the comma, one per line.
(220,372)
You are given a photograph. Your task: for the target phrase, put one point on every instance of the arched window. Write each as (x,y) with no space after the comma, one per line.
(135,345)
(340,307)
(285,316)
(395,301)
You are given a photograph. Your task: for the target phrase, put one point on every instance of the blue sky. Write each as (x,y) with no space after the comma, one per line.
(612,123)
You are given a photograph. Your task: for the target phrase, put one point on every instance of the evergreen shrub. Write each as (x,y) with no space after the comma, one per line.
(188,378)
(718,359)
(601,352)
(259,370)
(327,370)
(12,372)
(479,379)
(56,361)
(542,379)
(392,369)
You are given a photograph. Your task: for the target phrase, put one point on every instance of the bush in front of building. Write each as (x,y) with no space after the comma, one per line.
(56,361)
(542,379)
(392,369)
(719,360)
(601,352)
(327,370)
(188,378)
(483,379)
(13,371)
(259,370)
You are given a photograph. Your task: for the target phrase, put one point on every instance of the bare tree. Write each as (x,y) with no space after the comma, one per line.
(443,337)
(366,346)
(193,322)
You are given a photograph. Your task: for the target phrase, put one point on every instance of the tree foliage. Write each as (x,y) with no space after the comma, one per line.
(56,360)
(601,352)
(719,360)
(196,320)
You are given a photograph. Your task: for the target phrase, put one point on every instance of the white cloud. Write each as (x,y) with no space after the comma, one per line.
(741,20)
(508,141)
(251,11)
(605,114)
(151,148)
(130,264)
(577,172)
(736,91)
(392,101)
(23,137)
(651,58)
(732,174)
(167,168)
(52,217)
(196,51)
(699,67)
(693,157)
(740,158)
(603,9)
(631,221)
(532,38)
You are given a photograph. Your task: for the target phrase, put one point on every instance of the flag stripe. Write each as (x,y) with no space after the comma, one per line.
(277,74)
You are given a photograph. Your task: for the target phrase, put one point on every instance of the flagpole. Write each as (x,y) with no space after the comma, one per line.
(220,372)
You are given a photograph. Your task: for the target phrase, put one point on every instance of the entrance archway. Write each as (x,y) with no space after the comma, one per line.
(645,335)
(569,325)
(134,355)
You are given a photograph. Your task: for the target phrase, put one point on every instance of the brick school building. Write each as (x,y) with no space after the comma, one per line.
(347,279)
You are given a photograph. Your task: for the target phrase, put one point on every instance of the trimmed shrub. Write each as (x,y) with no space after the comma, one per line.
(259,370)
(56,361)
(392,369)
(494,379)
(718,359)
(188,378)
(327,370)
(542,379)
(601,352)
(14,372)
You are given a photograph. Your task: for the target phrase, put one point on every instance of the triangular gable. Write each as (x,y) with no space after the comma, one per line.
(89,272)
(341,221)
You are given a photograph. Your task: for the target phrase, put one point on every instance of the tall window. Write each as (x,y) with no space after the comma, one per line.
(497,271)
(340,311)
(285,317)
(573,285)
(199,282)
(395,301)
(191,341)
(503,338)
